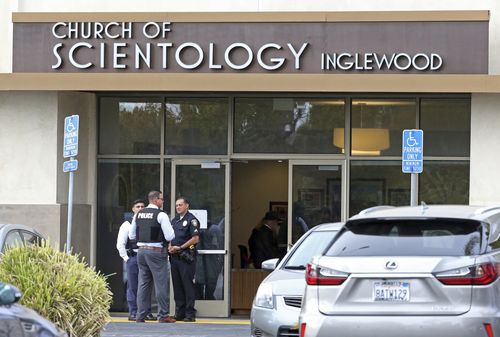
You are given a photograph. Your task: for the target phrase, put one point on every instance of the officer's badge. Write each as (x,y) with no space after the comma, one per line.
(194,222)
(184,224)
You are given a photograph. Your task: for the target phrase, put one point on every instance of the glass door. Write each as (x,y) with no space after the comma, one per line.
(316,195)
(205,184)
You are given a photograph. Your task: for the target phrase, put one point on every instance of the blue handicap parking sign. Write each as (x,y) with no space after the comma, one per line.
(70,165)
(70,147)
(413,151)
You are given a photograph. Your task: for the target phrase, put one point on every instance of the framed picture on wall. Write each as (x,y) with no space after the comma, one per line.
(365,193)
(399,197)
(280,208)
(311,198)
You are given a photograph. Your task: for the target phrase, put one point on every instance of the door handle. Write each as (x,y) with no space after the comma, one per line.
(212,252)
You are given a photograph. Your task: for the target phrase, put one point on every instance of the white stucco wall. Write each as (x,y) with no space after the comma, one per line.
(28,144)
(6,9)
(485,140)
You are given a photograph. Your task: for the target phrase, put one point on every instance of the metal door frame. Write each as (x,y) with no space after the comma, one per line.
(336,162)
(215,308)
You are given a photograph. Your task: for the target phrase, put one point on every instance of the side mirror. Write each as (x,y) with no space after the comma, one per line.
(270,264)
(9,294)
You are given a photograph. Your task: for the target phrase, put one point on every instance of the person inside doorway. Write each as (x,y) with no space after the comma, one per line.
(263,241)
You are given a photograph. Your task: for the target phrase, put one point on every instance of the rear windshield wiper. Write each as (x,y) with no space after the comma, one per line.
(301,267)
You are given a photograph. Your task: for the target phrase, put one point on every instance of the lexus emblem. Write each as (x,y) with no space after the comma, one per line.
(391,265)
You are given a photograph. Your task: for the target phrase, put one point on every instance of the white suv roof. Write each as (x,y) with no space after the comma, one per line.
(488,214)
(479,213)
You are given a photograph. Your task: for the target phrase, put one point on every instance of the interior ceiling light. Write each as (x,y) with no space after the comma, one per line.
(365,141)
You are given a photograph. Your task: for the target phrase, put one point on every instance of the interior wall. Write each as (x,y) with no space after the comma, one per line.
(254,185)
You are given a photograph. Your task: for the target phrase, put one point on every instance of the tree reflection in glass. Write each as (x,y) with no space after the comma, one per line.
(286,125)
(129,126)
(196,126)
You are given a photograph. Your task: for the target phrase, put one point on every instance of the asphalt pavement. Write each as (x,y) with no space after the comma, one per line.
(203,327)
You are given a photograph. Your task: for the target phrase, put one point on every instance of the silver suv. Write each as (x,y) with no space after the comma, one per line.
(408,271)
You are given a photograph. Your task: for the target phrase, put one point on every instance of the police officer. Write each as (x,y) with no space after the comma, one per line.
(128,252)
(182,251)
(152,229)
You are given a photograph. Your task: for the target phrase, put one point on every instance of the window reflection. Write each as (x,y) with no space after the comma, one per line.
(446,125)
(286,125)
(209,277)
(129,126)
(205,190)
(317,194)
(119,183)
(196,126)
(375,183)
(445,182)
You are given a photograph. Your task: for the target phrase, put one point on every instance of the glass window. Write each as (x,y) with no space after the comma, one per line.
(287,125)
(445,182)
(446,125)
(31,239)
(314,244)
(119,183)
(205,190)
(377,126)
(13,240)
(317,197)
(441,237)
(196,126)
(376,183)
(129,126)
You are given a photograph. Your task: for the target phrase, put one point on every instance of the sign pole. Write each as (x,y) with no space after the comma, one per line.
(414,190)
(413,159)
(70,213)
(70,150)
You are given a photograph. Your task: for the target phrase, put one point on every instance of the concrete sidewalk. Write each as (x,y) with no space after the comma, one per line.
(230,321)
(203,327)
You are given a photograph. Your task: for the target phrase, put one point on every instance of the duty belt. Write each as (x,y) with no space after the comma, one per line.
(155,249)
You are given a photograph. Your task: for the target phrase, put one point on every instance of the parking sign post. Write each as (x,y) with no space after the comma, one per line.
(70,150)
(413,159)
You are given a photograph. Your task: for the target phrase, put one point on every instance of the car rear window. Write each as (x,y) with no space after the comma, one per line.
(428,237)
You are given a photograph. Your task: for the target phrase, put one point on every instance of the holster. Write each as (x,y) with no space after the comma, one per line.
(187,255)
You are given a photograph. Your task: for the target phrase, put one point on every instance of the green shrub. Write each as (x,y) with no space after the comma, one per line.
(60,287)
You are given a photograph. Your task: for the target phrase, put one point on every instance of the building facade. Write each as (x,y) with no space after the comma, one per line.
(243,107)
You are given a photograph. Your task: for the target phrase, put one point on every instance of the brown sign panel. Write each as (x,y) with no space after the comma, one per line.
(450,47)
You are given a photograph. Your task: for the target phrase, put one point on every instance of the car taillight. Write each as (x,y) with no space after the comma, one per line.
(481,274)
(302,329)
(316,275)
(489,329)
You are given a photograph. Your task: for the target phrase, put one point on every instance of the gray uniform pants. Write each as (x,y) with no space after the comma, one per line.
(154,267)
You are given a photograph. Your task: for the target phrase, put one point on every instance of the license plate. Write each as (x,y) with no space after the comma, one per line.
(391,291)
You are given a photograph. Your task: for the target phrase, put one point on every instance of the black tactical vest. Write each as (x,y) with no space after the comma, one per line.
(148,227)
